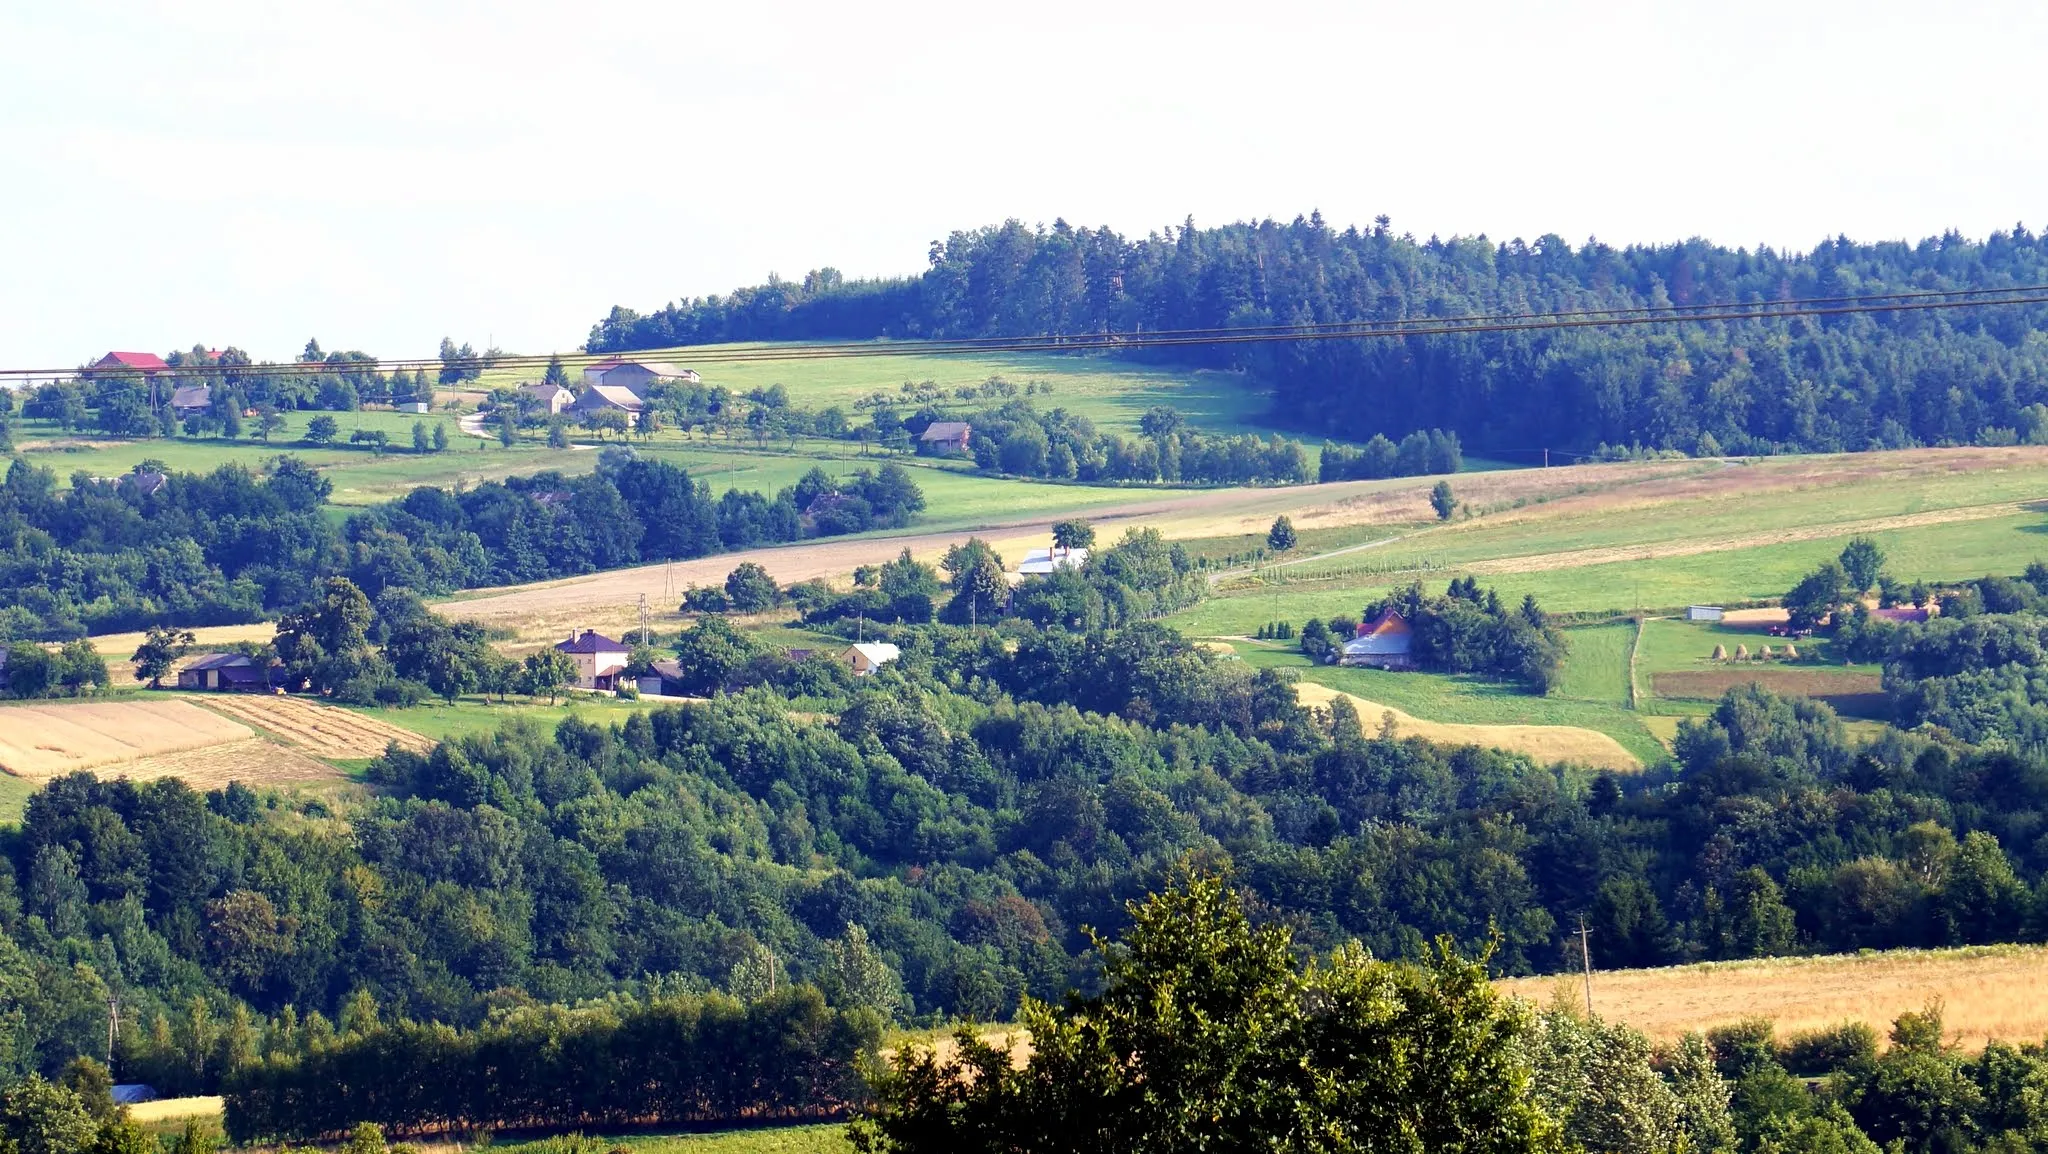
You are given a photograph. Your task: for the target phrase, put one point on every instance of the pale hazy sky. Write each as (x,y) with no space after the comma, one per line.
(379,175)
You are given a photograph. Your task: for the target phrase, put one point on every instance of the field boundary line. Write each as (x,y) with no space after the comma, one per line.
(1635,643)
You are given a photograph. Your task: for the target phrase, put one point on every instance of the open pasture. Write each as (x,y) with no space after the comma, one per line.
(1543,743)
(1987,992)
(39,742)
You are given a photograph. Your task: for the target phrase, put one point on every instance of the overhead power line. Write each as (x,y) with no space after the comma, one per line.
(1815,307)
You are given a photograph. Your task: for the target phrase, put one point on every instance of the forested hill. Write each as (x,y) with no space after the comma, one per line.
(1851,382)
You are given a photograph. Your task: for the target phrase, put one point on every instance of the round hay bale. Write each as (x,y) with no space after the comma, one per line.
(1791,653)
(1742,653)
(1720,653)
(1763,653)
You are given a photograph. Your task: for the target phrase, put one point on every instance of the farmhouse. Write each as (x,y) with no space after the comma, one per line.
(599,659)
(552,398)
(130,363)
(870,656)
(637,375)
(237,672)
(598,398)
(1384,642)
(1043,562)
(190,400)
(945,437)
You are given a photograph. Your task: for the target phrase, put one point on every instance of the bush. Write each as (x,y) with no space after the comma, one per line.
(1839,1047)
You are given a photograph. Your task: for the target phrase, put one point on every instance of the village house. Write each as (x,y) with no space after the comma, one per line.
(235,672)
(1044,562)
(869,656)
(945,437)
(622,373)
(598,398)
(552,398)
(599,659)
(145,363)
(1385,642)
(192,400)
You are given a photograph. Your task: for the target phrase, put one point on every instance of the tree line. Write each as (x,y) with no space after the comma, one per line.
(233,546)
(1737,387)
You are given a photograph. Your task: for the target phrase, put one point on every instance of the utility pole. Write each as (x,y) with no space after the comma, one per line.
(1586,961)
(113,1025)
(643,619)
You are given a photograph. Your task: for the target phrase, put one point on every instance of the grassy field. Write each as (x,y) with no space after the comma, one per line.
(1987,992)
(438,720)
(1111,393)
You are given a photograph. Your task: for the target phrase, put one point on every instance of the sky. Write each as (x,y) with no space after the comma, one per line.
(382,175)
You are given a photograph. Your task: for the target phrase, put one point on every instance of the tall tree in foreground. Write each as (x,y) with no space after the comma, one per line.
(1208,1036)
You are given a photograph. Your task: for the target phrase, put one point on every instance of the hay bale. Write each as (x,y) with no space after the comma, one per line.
(1764,653)
(1720,653)
(1791,653)
(1742,653)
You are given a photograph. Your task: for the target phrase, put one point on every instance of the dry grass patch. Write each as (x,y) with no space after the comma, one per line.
(45,741)
(175,1109)
(1545,743)
(321,730)
(1989,992)
(253,762)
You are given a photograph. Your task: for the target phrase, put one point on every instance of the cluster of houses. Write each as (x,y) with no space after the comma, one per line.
(615,383)
(601,664)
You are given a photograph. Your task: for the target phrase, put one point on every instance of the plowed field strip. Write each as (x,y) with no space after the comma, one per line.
(320,729)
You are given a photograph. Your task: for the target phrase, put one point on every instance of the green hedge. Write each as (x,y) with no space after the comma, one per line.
(691,1061)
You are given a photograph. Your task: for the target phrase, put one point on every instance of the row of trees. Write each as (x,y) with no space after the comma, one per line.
(233,546)
(1840,383)
(1019,440)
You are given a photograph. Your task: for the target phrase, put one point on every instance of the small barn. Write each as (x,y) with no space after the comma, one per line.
(663,679)
(945,437)
(191,400)
(1385,642)
(869,656)
(230,672)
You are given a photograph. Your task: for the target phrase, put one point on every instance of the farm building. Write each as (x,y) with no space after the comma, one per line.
(1385,642)
(945,437)
(1703,613)
(552,398)
(234,672)
(598,398)
(1043,562)
(1901,615)
(188,400)
(593,373)
(145,482)
(666,680)
(130,363)
(869,656)
(637,375)
(599,659)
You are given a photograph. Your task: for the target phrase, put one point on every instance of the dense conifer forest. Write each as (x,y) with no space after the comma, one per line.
(1756,386)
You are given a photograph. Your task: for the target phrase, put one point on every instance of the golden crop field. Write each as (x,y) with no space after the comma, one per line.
(1987,992)
(44,741)
(321,730)
(1545,743)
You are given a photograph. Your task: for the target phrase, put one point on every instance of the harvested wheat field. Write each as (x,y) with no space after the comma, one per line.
(1545,743)
(1861,694)
(39,742)
(1987,992)
(251,762)
(171,1109)
(321,730)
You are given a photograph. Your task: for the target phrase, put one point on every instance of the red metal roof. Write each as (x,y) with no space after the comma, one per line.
(133,360)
